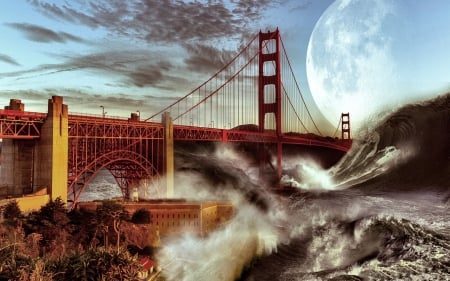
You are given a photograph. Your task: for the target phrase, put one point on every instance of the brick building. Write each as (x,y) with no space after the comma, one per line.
(172,217)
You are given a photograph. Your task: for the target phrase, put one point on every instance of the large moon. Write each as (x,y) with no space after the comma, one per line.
(368,56)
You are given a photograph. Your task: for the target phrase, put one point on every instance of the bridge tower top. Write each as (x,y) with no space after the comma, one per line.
(269,84)
(345,118)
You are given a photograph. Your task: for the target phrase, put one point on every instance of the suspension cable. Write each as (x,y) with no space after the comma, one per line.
(337,128)
(298,88)
(207,81)
(224,84)
(295,111)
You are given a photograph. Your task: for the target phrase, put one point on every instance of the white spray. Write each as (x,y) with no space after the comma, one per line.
(224,253)
(306,174)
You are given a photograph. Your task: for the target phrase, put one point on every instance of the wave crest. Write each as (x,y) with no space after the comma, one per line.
(410,145)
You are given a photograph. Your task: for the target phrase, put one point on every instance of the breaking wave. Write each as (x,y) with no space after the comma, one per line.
(410,146)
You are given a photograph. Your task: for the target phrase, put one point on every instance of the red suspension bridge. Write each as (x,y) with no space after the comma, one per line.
(255,99)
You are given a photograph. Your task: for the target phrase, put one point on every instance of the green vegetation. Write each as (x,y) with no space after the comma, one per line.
(53,244)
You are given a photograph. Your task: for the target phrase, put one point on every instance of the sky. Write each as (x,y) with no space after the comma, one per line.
(142,55)
(134,55)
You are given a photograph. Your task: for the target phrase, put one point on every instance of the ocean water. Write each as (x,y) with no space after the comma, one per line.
(103,186)
(381,213)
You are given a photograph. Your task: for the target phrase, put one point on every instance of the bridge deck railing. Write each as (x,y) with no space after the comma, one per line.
(9,114)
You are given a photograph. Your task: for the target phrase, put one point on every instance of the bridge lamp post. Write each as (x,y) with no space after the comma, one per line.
(103,111)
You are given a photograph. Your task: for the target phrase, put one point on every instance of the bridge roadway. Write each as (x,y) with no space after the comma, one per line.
(25,125)
(131,150)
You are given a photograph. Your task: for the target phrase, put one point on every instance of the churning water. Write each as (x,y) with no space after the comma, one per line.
(381,213)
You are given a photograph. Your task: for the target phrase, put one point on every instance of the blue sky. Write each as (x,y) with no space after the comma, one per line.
(142,55)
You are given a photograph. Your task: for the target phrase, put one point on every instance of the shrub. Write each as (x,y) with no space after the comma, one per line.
(141,216)
(12,213)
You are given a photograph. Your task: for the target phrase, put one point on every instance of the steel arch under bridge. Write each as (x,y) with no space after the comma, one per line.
(130,150)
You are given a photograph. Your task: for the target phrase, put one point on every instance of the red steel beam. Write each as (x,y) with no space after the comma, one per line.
(19,129)
(191,133)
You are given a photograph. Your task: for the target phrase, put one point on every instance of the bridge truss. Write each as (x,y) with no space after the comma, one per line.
(132,151)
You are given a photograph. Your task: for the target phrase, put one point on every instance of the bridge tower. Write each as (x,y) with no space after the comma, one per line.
(345,120)
(269,87)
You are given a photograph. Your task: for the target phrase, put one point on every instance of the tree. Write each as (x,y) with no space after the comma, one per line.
(55,212)
(100,264)
(12,213)
(110,215)
(141,216)
(83,226)
(52,222)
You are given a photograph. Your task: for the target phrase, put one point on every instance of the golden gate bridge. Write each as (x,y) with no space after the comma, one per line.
(254,99)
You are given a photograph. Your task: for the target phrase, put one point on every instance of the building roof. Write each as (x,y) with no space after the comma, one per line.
(147,263)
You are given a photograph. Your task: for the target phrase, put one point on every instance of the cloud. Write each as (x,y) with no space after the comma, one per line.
(66,12)
(161,21)
(251,9)
(144,76)
(207,59)
(134,67)
(80,101)
(299,6)
(126,68)
(9,60)
(220,26)
(166,47)
(43,35)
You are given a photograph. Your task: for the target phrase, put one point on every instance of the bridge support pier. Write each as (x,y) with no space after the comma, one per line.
(279,159)
(169,153)
(17,162)
(52,150)
(31,165)
(17,167)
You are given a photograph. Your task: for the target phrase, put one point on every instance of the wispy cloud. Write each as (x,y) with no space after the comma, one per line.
(81,101)
(139,68)
(161,21)
(43,35)
(201,30)
(9,60)
(165,46)
(301,5)
(205,58)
